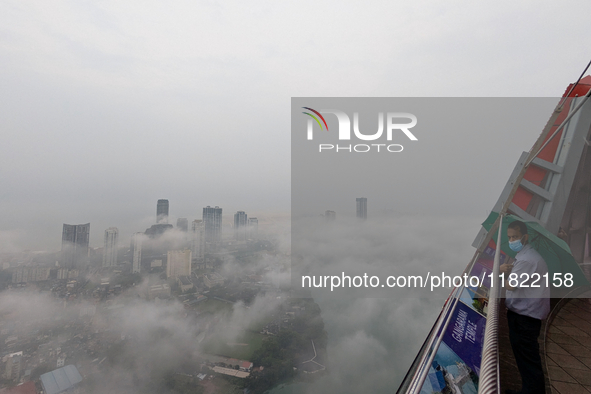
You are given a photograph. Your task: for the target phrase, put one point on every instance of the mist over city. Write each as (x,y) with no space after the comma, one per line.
(180,304)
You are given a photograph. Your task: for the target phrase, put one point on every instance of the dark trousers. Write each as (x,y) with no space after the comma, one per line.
(523,333)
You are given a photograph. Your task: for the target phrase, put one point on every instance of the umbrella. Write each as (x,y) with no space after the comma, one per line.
(554,250)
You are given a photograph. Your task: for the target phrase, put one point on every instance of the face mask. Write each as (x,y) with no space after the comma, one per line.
(516,246)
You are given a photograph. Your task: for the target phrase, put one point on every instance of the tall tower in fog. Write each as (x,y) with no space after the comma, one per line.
(361,208)
(75,239)
(162,212)
(330,216)
(197,240)
(136,251)
(111,246)
(253,228)
(240,225)
(212,222)
(13,366)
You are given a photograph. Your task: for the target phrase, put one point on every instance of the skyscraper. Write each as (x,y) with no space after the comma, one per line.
(162,211)
(197,240)
(253,228)
(240,225)
(136,252)
(13,366)
(330,216)
(182,224)
(156,230)
(111,247)
(212,222)
(75,245)
(361,208)
(178,263)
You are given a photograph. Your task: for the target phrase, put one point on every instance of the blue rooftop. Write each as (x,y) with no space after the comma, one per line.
(60,380)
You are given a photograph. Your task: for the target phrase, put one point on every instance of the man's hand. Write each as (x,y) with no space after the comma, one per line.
(506,268)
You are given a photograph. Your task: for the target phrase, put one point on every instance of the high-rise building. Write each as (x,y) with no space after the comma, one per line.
(136,252)
(330,216)
(156,230)
(253,228)
(361,208)
(13,366)
(30,274)
(240,225)
(75,239)
(111,247)
(212,222)
(197,240)
(182,224)
(162,211)
(178,263)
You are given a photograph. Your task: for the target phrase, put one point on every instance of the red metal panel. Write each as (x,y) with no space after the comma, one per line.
(535,174)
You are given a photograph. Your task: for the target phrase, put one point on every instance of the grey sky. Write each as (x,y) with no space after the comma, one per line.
(108,106)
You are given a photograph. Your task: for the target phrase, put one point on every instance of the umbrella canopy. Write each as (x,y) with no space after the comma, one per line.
(554,250)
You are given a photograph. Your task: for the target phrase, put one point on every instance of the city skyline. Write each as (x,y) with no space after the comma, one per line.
(228,222)
(98,240)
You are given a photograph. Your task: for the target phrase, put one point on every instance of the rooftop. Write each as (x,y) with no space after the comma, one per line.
(25,388)
(60,380)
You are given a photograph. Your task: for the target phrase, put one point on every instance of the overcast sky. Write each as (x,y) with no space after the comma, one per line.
(107,106)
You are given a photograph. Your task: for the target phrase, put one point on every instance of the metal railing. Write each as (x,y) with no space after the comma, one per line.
(489,382)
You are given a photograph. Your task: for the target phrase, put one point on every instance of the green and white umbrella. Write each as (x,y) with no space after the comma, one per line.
(554,250)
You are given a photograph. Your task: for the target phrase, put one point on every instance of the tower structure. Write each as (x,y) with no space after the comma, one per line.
(162,212)
(75,239)
(136,252)
(197,240)
(253,228)
(361,208)
(111,247)
(13,366)
(212,222)
(240,225)
(330,216)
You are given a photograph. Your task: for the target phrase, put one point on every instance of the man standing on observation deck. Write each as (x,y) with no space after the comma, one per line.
(527,306)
